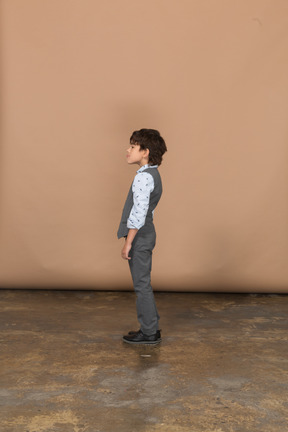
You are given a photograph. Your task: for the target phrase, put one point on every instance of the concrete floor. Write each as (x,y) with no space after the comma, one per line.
(222,365)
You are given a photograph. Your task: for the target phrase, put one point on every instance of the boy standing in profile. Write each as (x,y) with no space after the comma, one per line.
(136,226)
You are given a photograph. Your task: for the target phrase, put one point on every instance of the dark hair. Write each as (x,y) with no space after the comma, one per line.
(152,140)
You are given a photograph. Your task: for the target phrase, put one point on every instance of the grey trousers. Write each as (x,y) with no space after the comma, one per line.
(140,267)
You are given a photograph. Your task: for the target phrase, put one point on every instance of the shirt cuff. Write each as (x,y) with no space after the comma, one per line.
(130,225)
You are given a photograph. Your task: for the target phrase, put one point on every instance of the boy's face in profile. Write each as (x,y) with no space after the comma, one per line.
(135,155)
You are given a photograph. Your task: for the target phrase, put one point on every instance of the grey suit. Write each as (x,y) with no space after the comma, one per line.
(141,257)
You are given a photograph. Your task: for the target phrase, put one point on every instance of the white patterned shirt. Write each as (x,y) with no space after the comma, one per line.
(142,187)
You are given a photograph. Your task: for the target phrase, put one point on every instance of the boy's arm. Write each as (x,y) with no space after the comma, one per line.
(128,243)
(142,187)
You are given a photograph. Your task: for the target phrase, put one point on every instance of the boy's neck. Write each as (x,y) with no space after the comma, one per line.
(143,163)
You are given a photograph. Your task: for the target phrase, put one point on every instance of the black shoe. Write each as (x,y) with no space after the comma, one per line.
(132,332)
(141,338)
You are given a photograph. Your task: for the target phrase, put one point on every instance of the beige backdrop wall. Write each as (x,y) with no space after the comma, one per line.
(77,77)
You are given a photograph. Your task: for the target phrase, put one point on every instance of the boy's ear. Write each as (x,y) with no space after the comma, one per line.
(147,153)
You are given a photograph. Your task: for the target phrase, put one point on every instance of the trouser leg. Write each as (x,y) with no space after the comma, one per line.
(140,267)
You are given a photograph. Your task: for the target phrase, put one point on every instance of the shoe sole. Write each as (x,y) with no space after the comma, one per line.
(142,342)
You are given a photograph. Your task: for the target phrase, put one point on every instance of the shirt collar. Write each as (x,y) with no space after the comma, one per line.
(145,167)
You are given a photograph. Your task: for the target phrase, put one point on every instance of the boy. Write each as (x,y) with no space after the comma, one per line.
(146,150)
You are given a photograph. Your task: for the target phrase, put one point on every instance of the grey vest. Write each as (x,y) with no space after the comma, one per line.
(154,199)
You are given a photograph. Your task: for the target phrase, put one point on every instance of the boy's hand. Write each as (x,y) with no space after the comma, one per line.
(125,251)
(128,243)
